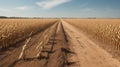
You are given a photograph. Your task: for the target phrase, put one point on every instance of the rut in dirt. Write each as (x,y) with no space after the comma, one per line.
(50,48)
(61,50)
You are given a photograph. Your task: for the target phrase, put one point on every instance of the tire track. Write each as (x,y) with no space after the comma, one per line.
(16,54)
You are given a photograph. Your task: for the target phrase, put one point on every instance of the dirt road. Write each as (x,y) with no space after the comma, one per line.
(45,49)
(89,54)
(25,50)
(61,45)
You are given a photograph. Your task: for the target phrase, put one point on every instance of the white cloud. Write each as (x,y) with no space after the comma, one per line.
(22,8)
(7,12)
(15,11)
(48,4)
(4,10)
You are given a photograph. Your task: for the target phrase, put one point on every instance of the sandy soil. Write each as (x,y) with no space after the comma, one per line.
(88,53)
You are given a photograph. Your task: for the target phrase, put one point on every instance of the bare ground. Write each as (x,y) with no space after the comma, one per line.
(89,54)
(61,45)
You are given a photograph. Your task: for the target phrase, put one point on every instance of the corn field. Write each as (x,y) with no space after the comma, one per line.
(105,30)
(14,30)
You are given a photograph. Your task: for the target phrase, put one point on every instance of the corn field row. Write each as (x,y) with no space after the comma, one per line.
(14,30)
(105,30)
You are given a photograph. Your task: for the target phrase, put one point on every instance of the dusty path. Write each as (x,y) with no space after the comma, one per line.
(89,54)
(61,45)
(46,49)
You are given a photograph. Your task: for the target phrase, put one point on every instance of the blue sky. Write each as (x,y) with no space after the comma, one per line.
(61,8)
